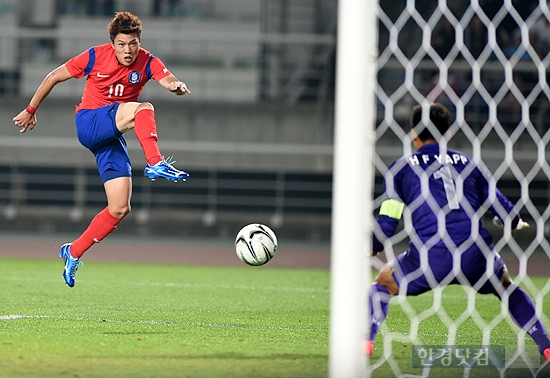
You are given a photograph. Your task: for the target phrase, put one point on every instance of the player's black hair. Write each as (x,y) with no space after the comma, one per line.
(440,117)
(124,23)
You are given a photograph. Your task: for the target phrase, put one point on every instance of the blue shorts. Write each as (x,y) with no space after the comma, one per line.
(96,130)
(476,270)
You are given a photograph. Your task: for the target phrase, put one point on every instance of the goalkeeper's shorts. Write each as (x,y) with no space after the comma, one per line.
(416,276)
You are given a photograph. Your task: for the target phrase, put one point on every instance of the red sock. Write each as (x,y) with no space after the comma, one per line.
(101,226)
(145,128)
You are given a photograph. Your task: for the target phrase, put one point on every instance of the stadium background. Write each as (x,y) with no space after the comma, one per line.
(256,134)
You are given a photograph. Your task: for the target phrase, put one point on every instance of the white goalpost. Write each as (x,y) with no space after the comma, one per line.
(353,183)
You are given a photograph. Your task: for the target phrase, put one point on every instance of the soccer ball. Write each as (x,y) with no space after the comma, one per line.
(256,244)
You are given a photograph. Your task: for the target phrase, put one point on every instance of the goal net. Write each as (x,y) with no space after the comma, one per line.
(487,62)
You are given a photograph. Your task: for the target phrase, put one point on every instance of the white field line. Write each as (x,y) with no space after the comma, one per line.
(484,297)
(162,323)
(196,324)
(186,285)
(230,287)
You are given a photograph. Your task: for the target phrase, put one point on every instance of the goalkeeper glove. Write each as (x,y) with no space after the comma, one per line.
(521,224)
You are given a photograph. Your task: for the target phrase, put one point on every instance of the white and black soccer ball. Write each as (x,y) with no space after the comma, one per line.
(256,244)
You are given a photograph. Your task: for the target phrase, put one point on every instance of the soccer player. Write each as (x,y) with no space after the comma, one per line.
(443,195)
(115,75)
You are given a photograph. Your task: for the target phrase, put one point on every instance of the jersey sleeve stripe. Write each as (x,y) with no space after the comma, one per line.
(392,208)
(148,67)
(91,61)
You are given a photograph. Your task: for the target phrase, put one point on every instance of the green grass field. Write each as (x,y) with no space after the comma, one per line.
(144,320)
(452,305)
(152,320)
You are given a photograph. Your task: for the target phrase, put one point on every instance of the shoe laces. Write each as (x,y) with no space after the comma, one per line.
(74,267)
(169,160)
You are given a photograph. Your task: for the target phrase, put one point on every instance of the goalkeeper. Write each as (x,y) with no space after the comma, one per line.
(444,194)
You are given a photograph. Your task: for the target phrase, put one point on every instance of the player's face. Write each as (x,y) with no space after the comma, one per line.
(126,48)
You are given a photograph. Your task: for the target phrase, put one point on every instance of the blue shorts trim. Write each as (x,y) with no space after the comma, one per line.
(96,130)
(477,270)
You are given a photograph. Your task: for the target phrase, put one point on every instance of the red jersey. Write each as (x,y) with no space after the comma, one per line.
(109,81)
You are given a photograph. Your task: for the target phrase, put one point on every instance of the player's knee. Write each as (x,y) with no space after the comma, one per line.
(385,278)
(144,106)
(506,280)
(120,211)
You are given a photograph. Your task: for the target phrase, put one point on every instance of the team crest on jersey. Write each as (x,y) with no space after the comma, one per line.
(134,77)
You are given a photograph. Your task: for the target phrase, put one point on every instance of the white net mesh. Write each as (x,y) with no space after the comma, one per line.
(486,61)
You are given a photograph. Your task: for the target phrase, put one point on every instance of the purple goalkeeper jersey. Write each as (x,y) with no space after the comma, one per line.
(446,194)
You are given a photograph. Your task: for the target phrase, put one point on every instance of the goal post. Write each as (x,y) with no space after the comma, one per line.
(352,184)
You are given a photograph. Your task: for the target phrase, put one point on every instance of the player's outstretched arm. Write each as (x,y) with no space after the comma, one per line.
(172,83)
(27,118)
(516,222)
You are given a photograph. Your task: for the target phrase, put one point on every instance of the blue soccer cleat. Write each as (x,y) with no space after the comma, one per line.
(165,170)
(71,264)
